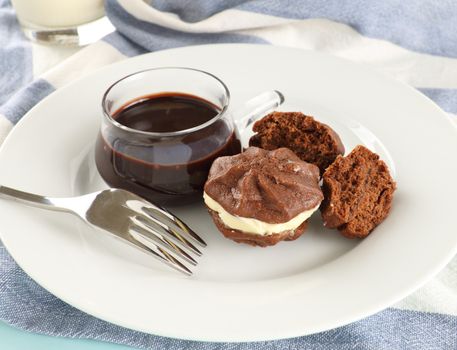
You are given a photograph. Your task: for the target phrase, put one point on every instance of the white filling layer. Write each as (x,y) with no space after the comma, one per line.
(255,226)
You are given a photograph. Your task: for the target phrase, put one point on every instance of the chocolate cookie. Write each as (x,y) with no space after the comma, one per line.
(274,188)
(358,192)
(312,141)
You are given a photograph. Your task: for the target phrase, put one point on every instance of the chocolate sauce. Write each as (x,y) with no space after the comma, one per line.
(166,113)
(167,170)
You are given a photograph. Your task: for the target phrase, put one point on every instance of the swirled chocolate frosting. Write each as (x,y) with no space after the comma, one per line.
(270,186)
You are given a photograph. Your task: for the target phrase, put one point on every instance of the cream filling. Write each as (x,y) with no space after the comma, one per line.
(255,226)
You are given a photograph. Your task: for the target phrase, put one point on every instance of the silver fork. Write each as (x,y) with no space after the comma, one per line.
(146,226)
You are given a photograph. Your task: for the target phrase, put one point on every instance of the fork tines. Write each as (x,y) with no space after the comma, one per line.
(165,236)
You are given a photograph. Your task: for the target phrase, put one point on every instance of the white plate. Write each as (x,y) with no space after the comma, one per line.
(240,293)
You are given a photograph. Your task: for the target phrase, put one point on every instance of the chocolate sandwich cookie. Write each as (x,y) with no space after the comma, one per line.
(262,197)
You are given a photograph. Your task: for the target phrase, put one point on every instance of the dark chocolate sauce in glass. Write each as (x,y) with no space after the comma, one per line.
(168,170)
(166,113)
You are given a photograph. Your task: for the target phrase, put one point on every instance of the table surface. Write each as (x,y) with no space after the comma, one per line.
(14,339)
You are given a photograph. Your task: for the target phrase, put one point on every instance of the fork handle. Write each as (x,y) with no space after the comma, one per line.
(30,199)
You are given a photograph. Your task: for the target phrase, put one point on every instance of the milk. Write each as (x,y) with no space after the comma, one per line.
(58,13)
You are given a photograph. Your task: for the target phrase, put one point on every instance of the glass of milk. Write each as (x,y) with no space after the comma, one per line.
(66,22)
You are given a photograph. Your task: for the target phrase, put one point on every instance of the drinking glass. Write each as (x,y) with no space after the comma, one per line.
(65,22)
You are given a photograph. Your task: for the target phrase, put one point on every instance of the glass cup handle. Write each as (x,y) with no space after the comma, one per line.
(257,107)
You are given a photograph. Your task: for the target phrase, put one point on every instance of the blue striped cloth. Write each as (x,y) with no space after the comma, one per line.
(414,41)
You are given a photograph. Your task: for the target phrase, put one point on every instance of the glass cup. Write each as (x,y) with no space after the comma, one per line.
(65,22)
(170,168)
